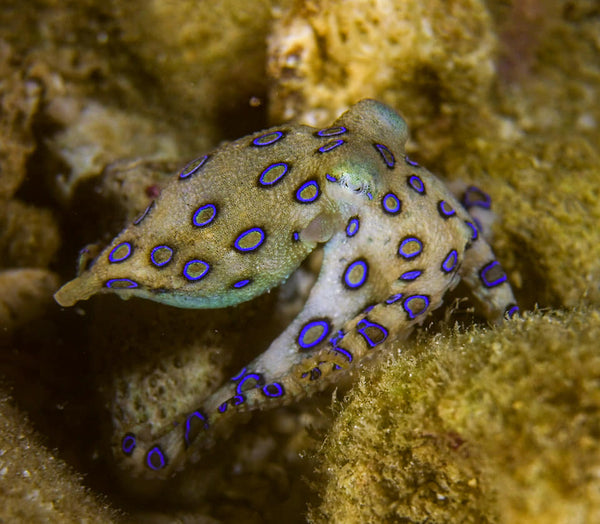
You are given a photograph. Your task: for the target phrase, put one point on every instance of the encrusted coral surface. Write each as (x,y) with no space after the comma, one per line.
(468,426)
(478,425)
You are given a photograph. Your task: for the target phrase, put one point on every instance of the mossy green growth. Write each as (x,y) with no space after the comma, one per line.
(480,426)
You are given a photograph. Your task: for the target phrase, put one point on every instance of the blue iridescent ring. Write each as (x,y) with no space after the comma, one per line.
(191,426)
(332,131)
(329,146)
(313,325)
(161,255)
(410,162)
(128,444)
(492,274)
(137,221)
(308,192)
(410,247)
(156,459)
(475,197)
(273,390)
(273,174)
(445,210)
(415,182)
(356,274)
(409,276)
(391,204)
(268,138)
(474,231)
(511,311)
(241,283)
(204,215)
(193,167)
(249,240)
(121,283)
(450,262)
(422,303)
(386,154)
(353,226)
(120,252)
(195,269)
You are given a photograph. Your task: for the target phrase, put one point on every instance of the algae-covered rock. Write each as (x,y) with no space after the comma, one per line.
(96,136)
(36,486)
(433,60)
(24,296)
(29,235)
(477,426)
(19,100)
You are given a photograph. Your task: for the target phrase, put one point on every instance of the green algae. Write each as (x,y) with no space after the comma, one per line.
(474,426)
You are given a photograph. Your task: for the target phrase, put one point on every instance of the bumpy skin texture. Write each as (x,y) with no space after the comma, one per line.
(238,221)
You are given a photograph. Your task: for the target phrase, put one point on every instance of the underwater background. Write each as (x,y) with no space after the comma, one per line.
(100,102)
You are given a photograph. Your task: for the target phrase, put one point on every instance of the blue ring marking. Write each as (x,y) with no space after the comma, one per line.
(114,259)
(475,233)
(386,154)
(410,162)
(334,340)
(403,244)
(158,453)
(394,298)
(279,390)
(475,197)
(188,425)
(370,196)
(409,311)
(264,140)
(263,180)
(391,204)
(260,380)
(416,183)
(244,234)
(330,146)
(331,178)
(131,284)
(128,444)
(353,226)
(159,263)
(241,283)
(332,131)
(307,327)
(486,269)
(137,221)
(304,187)
(409,276)
(295,236)
(213,214)
(450,262)
(360,263)
(365,324)
(193,167)
(315,373)
(223,407)
(237,400)
(445,210)
(511,311)
(201,275)
(239,375)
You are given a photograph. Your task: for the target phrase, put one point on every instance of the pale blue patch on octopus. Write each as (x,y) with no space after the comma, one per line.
(236,222)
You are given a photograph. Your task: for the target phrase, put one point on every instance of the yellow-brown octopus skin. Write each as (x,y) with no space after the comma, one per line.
(238,221)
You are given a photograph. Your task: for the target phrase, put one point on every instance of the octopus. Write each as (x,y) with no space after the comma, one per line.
(236,222)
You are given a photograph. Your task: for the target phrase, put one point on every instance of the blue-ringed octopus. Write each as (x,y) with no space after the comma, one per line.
(238,221)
